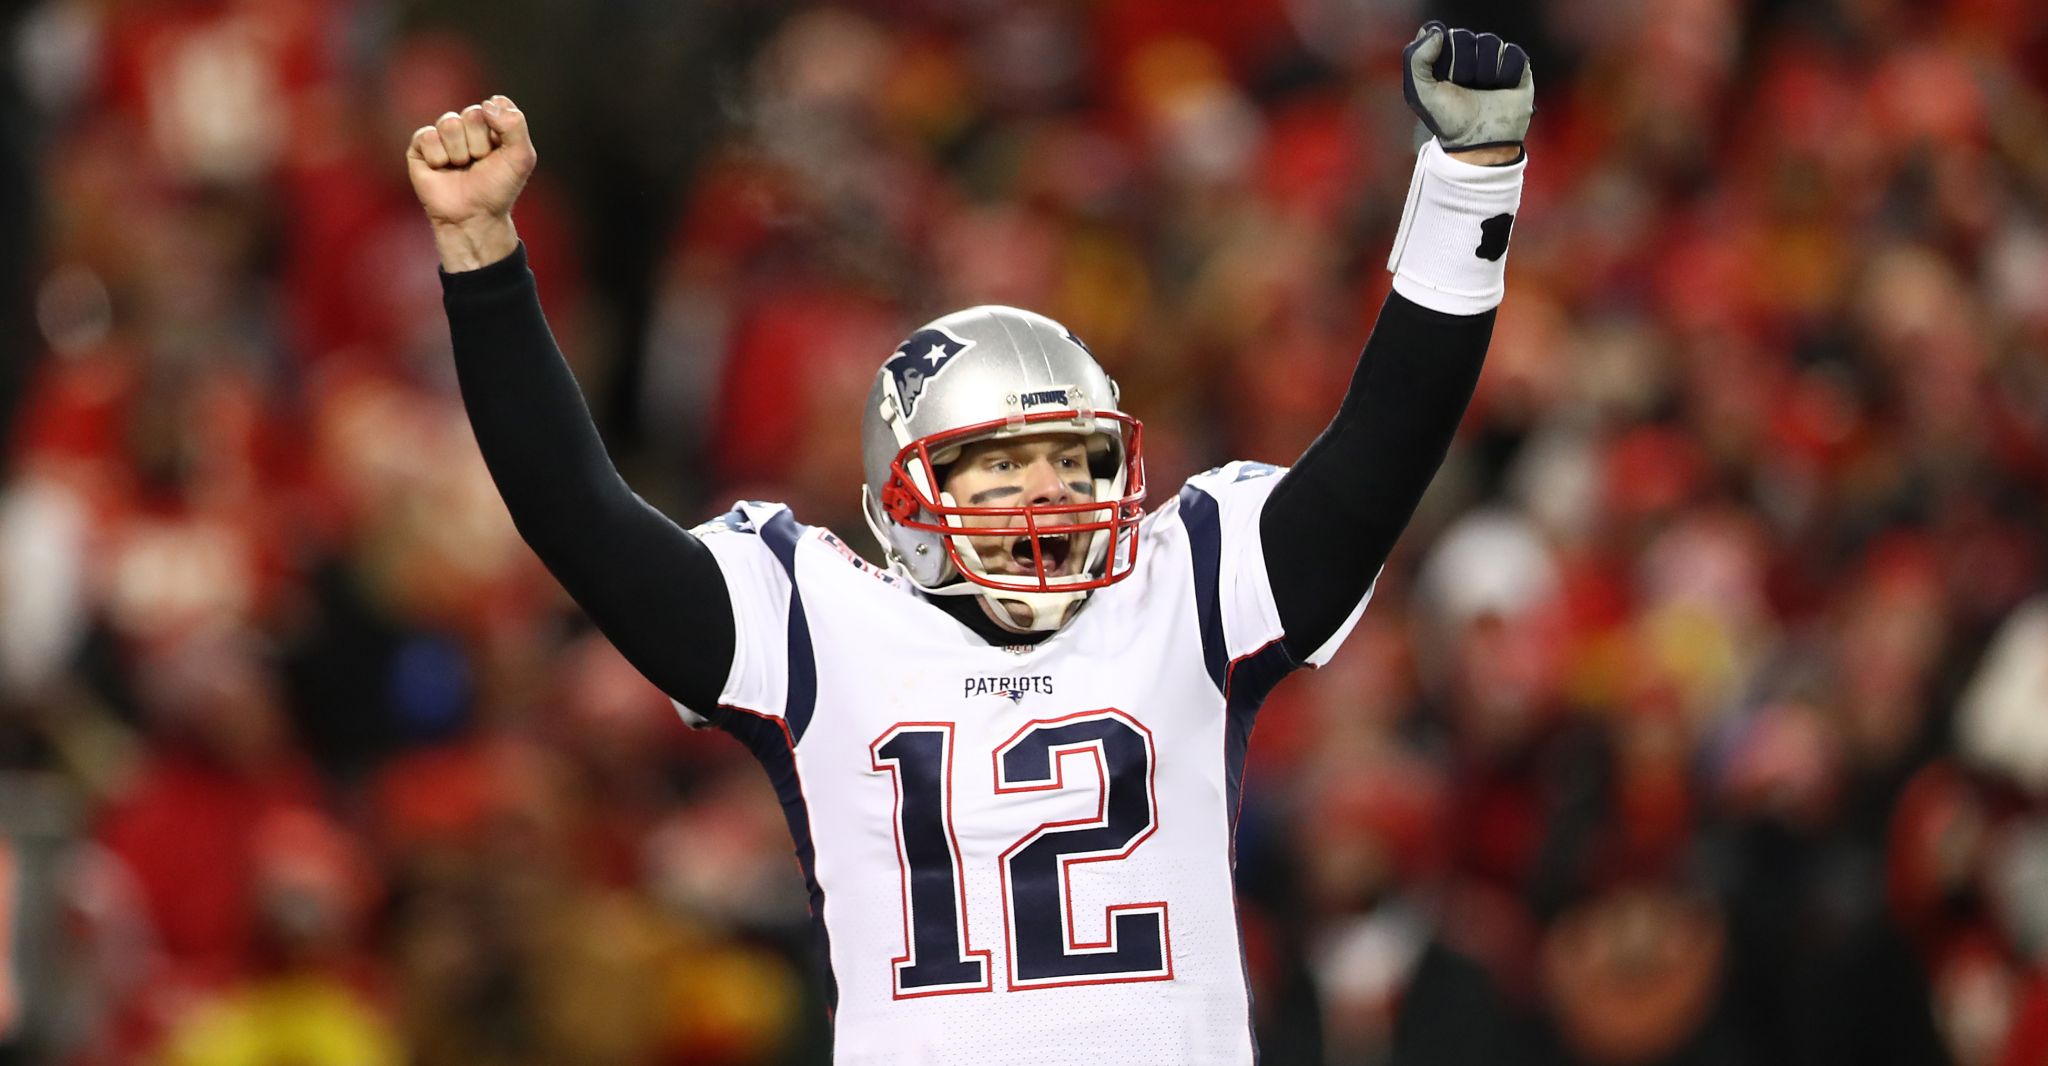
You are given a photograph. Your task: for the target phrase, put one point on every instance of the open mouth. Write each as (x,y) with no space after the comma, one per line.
(1055,547)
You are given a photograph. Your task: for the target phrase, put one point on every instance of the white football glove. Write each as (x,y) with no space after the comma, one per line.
(1472,90)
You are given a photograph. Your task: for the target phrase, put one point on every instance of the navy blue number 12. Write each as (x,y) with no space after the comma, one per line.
(1045,950)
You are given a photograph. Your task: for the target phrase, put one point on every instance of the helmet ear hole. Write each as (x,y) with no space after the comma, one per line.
(1105,456)
(1104,465)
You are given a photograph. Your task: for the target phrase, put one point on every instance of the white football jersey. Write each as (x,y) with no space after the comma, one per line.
(1016,855)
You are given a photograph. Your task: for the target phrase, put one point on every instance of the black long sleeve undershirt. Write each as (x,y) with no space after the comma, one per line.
(658,594)
(649,585)
(1333,518)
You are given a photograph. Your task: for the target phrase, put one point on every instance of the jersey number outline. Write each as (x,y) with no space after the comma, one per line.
(1045,949)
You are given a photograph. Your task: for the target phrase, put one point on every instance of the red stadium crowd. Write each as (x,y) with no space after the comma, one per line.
(1701,716)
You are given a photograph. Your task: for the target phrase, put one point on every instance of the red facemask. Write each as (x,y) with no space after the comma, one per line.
(906,500)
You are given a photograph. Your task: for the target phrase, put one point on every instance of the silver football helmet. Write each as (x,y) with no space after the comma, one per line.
(989,373)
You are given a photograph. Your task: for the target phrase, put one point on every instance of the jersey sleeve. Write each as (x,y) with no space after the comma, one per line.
(755,547)
(1221,509)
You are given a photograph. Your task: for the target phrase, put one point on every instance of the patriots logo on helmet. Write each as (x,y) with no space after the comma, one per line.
(920,359)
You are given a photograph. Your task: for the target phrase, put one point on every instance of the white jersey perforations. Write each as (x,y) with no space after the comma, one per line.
(1023,854)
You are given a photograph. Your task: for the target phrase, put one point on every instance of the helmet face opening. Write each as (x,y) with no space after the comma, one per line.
(1100,532)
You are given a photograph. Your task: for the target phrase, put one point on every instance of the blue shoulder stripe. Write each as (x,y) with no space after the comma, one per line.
(781,534)
(1198,513)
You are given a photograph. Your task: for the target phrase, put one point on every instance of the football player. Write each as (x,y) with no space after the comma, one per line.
(1011,757)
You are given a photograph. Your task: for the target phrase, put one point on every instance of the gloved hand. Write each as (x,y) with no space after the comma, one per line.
(1472,90)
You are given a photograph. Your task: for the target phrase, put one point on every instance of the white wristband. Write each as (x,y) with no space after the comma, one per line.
(1451,252)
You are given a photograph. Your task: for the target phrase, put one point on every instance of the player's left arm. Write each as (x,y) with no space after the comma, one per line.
(1332,520)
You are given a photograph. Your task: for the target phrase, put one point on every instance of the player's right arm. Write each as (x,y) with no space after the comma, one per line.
(1332,520)
(654,589)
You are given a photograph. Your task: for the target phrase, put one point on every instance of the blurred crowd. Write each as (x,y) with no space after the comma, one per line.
(1700,718)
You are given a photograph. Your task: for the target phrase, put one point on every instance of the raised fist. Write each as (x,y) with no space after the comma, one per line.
(470,167)
(1472,90)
